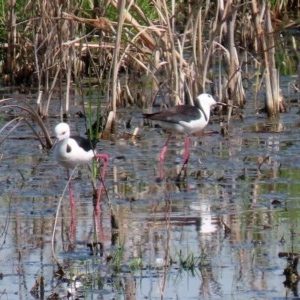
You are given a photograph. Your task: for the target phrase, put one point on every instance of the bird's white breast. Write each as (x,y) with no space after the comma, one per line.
(69,154)
(193,126)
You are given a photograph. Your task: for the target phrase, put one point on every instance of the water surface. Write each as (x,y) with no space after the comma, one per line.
(237,209)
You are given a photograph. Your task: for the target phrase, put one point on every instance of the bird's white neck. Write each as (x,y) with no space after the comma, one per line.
(205,112)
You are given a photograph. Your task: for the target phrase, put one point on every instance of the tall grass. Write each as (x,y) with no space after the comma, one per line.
(187,48)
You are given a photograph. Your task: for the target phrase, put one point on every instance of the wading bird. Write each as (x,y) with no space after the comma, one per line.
(185,119)
(72,151)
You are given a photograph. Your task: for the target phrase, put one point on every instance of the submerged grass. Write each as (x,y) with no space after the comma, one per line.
(118,270)
(190,262)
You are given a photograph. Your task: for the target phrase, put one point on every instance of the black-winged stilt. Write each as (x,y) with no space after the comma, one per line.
(72,151)
(185,119)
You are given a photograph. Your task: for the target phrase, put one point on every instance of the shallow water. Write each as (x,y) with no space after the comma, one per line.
(161,224)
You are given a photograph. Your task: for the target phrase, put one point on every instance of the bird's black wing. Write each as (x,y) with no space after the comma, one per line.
(176,114)
(84,143)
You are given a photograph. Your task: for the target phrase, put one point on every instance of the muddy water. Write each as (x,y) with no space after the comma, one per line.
(215,235)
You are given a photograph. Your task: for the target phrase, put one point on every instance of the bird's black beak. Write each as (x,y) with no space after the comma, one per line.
(225,104)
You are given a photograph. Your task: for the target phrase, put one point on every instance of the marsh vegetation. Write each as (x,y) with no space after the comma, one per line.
(99,65)
(178,48)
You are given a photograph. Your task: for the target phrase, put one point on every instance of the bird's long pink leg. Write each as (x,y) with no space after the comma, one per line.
(73,213)
(186,157)
(71,193)
(162,157)
(104,157)
(186,154)
(164,149)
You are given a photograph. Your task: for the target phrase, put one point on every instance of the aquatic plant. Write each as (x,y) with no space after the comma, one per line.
(189,262)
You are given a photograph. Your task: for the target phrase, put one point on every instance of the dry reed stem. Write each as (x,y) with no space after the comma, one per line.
(116,62)
(267,48)
(271,59)
(147,39)
(12,37)
(35,116)
(100,23)
(236,90)
(7,124)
